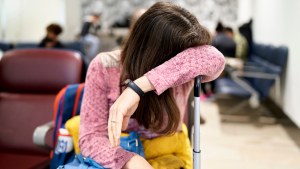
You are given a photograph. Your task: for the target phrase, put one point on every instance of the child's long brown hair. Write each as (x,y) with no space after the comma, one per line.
(163,31)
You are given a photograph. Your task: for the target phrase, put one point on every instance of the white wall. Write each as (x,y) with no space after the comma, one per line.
(73,19)
(244,11)
(1,16)
(26,20)
(277,22)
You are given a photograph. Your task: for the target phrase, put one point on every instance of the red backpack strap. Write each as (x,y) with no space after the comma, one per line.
(78,93)
(56,102)
(60,118)
(55,108)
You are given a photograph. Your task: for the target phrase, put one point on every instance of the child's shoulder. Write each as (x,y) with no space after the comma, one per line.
(109,59)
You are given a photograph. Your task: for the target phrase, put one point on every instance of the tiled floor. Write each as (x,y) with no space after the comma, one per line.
(226,145)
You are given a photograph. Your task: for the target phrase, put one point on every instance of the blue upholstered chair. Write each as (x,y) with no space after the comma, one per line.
(261,72)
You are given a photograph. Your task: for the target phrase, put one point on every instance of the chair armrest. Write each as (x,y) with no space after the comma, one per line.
(260,75)
(249,63)
(256,68)
(39,135)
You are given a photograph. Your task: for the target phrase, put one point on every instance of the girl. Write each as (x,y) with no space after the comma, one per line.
(154,60)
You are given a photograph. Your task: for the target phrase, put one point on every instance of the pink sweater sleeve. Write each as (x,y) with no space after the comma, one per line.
(93,134)
(201,60)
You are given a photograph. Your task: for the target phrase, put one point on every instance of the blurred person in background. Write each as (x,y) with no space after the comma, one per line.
(223,43)
(52,38)
(88,35)
(134,17)
(241,43)
(246,31)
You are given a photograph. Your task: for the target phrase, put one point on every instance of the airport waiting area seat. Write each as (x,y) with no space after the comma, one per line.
(5,46)
(29,82)
(26,45)
(261,71)
(78,46)
(73,46)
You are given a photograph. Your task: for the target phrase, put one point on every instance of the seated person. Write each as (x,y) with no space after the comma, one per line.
(51,39)
(246,31)
(223,43)
(89,36)
(241,43)
(152,58)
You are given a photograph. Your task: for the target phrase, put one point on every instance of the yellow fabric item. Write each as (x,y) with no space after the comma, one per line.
(169,152)
(166,162)
(124,134)
(72,125)
(166,152)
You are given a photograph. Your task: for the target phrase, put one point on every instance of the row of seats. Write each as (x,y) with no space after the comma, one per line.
(5,46)
(260,72)
(270,60)
(29,82)
(73,46)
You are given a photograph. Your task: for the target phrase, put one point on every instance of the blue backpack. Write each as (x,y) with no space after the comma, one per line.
(67,104)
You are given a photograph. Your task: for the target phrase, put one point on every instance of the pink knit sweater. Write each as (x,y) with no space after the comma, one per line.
(102,90)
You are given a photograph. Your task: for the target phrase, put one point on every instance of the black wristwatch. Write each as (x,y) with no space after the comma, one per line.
(134,87)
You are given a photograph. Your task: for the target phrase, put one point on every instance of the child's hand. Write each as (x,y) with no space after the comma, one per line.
(124,107)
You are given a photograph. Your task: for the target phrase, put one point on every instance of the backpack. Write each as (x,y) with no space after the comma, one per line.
(67,104)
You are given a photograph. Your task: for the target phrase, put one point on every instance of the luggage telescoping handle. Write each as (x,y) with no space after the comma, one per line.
(196,146)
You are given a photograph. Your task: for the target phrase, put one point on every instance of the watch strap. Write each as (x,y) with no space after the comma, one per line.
(134,87)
